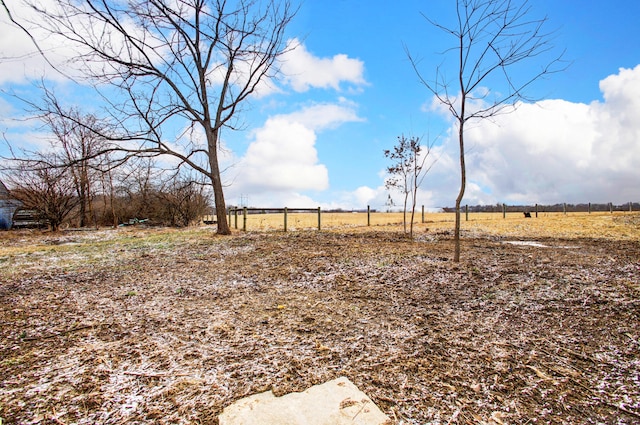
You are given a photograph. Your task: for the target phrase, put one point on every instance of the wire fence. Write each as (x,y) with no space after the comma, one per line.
(563,207)
(287,219)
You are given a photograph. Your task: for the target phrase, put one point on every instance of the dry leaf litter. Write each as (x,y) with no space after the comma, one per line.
(160,326)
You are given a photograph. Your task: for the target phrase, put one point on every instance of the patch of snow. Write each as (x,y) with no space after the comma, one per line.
(130,405)
(539,245)
(527,243)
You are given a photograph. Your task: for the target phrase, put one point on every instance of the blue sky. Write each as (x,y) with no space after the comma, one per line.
(351,91)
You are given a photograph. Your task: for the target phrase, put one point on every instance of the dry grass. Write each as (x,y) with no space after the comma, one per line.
(154,326)
(581,225)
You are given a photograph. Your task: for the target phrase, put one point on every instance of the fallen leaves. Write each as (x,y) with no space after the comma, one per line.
(512,333)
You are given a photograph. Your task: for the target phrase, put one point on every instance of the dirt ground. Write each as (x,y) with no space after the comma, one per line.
(157,326)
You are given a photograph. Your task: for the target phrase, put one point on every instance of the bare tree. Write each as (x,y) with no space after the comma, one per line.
(408,172)
(44,186)
(136,189)
(490,41)
(107,196)
(78,143)
(181,69)
(79,148)
(419,171)
(389,204)
(184,201)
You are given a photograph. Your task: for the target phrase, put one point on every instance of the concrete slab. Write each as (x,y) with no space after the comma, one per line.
(337,402)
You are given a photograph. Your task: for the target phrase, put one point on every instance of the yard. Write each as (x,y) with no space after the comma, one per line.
(539,323)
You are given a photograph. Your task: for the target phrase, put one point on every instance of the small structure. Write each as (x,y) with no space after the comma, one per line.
(28,219)
(8,206)
(337,402)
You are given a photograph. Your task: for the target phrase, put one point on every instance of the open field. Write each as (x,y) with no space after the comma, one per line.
(540,322)
(596,225)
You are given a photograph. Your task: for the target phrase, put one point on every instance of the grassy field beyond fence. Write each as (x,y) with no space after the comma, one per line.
(624,225)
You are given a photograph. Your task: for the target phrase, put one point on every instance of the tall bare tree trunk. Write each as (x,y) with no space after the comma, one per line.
(463,184)
(218,196)
(216,180)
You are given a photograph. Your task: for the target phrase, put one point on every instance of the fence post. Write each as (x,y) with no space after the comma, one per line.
(285,219)
(235,214)
(318,218)
(368,215)
(466,212)
(611,207)
(423,214)
(564,208)
(244,219)
(589,208)
(536,210)
(504,210)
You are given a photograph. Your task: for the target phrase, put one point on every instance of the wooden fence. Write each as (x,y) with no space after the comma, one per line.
(244,212)
(237,214)
(564,208)
(238,217)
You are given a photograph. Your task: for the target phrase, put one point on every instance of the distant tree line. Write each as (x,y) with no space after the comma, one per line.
(132,192)
(583,207)
(79,181)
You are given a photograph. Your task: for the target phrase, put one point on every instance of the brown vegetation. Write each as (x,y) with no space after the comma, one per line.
(167,326)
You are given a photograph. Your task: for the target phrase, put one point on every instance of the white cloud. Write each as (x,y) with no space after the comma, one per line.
(325,115)
(282,159)
(21,61)
(19,57)
(290,199)
(554,151)
(303,70)
(364,195)
(357,199)
(300,69)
